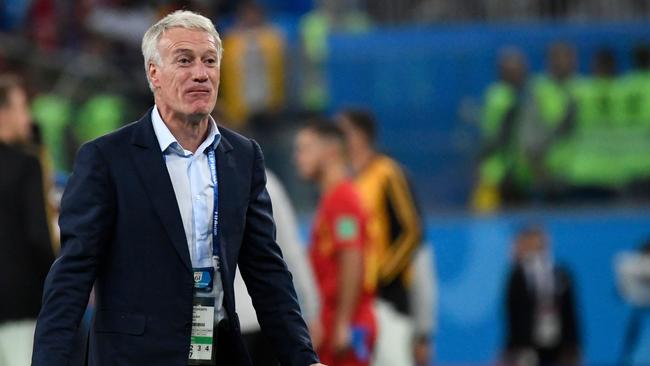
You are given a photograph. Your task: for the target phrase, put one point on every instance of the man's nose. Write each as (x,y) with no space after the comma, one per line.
(200,73)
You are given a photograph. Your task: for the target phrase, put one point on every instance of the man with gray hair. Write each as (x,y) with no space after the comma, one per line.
(157,216)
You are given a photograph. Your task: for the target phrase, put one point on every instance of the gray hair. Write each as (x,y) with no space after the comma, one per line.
(178,19)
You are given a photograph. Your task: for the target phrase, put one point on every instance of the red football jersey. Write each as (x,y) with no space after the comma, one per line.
(340,223)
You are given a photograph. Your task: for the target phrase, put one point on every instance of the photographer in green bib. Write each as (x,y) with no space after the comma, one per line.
(549,127)
(591,169)
(632,109)
(503,174)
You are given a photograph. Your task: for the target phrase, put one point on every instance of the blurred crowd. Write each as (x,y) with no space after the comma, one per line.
(564,137)
(86,67)
(553,137)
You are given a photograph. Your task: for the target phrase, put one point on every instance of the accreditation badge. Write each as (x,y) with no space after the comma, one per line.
(202,337)
(203,279)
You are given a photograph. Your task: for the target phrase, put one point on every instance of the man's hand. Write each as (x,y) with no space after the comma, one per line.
(316,333)
(422,352)
(342,339)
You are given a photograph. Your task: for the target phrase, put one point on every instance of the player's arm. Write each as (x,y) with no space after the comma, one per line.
(350,282)
(347,226)
(406,222)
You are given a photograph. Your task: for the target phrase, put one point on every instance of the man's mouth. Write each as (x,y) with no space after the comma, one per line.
(198,91)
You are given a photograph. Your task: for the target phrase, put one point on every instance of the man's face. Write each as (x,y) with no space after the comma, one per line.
(562,62)
(354,138)
(14,117)
(530,245)
(513,70)
(187,79)
(309,150)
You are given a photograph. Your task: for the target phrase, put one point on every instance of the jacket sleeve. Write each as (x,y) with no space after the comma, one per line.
(517,309)
(87,216)
(570,318)
(268,280)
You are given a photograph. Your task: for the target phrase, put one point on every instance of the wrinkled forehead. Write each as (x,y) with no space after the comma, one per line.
(193,40)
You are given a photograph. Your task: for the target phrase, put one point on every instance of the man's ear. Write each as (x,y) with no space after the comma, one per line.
(153,74)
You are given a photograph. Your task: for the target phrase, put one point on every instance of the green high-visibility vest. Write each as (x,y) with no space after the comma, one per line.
(500,98)
(53,114)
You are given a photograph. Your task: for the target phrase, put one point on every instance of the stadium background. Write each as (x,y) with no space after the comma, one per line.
(424,75)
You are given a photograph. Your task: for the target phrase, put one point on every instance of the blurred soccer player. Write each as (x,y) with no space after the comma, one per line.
(25,245)
(395,230)
(339,241)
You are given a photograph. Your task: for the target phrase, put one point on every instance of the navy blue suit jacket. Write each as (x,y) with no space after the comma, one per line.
(122,232)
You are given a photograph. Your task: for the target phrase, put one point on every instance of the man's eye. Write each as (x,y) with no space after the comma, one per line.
(184,61)
(210,61)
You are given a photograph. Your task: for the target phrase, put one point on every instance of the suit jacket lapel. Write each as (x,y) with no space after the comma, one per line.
(225,168)
(153,173)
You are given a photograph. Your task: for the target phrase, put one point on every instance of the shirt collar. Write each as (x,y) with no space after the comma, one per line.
(168,142)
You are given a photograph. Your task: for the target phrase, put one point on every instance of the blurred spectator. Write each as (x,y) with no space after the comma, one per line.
(53,114)
(395,230)
(339,247)
(633,104)
(99,115)
(593,94)
(504,176)
(552,120)
(634,107)
(253,78)
(424,304)
(586,168)
(297,262)
(633,275)
(315,27)
(541,320)
(25,242)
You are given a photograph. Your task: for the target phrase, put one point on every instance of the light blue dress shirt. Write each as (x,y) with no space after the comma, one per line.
(194,190)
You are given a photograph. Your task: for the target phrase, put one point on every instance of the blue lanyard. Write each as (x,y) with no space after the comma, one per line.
(216,249)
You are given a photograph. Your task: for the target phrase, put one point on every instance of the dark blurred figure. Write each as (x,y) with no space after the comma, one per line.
(396,233)
(503,176)
(541,319)
(25,244)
